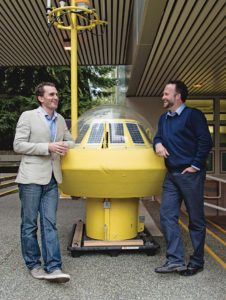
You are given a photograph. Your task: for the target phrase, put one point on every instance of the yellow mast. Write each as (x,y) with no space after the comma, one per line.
(74,11)
(74,74)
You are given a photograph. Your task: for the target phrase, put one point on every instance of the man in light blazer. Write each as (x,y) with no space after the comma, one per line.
(41,137)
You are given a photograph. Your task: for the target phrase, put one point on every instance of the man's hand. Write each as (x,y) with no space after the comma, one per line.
(189,170)
(161,150)
(60,148)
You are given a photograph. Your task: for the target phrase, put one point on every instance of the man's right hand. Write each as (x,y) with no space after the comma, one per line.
(60,148)
(161,150)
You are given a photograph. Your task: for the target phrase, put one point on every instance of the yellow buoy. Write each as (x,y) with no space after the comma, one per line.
(112,165)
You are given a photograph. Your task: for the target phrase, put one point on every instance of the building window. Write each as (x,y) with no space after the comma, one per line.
(206,106)
(223,161)
(222,135)
(223,110)
(210,162)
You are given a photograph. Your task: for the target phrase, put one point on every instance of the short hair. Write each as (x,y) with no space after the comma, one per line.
(181,88)
(39,90)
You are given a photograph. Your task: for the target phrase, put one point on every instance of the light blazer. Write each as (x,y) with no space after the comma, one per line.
(31,140)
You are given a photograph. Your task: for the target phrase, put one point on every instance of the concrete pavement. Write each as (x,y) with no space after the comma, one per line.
(98,276)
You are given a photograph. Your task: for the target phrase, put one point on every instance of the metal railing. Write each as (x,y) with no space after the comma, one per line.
(220,181)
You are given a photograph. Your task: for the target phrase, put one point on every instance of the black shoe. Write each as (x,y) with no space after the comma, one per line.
(169,267)
(191,270)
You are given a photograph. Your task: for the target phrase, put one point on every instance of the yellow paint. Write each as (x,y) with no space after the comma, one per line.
(211,233)
(215,256)
(121,173)
(110,173)
(216,237)
(117,221)
(217,226)
(108,170)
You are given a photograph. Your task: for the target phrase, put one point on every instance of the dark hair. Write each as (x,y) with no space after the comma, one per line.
(39,90)
(181,88)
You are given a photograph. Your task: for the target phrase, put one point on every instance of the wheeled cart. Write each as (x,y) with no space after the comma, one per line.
(80,243)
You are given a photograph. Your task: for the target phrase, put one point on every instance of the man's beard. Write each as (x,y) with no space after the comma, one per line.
(168,104)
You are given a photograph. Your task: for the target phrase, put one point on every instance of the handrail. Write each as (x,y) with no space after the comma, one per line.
(215,206)
(216,178)
(217,197)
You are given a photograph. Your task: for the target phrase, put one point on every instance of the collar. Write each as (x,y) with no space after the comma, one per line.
(44,113)
(177,112)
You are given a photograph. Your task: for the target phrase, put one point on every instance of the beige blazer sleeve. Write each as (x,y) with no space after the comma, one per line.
(25,140)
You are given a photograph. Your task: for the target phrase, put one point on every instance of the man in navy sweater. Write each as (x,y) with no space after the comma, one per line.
(184,140)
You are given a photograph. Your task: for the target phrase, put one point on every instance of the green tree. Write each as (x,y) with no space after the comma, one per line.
(17,92)
(10,110)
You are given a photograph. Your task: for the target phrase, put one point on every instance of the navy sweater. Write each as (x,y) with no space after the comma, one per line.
(186,137)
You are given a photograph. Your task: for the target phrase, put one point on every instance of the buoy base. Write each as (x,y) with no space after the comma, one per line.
(80,243)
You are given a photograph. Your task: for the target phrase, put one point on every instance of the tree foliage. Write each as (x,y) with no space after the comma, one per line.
(17,92)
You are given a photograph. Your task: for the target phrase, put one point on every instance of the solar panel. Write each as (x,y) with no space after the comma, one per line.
(96,133)
(135,133)
(82,133)
(116,133)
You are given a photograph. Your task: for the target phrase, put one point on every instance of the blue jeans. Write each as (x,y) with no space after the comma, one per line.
(40,199)
(190,188)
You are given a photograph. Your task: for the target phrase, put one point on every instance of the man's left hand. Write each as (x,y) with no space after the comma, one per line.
(189,170)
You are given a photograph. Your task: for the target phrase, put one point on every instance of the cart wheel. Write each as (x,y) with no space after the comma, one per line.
(75,253)
(114,253)
(150,252)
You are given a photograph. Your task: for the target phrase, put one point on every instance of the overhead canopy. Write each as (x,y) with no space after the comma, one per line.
(157,40)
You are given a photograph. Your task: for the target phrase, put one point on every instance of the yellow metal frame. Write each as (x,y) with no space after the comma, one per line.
(73,12)
(70,10)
